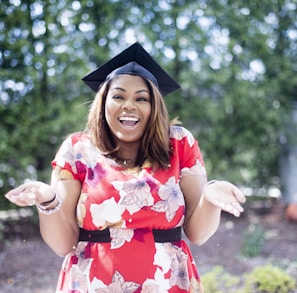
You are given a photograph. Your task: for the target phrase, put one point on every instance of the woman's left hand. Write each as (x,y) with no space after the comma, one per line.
(225,195)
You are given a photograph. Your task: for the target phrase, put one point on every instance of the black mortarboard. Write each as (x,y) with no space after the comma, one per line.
(135,61)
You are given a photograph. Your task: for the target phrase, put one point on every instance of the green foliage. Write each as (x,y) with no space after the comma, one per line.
(263,279)
(219,281)
(269,279)
(253,240)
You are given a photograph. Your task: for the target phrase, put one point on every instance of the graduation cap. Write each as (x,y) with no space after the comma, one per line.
(133,61)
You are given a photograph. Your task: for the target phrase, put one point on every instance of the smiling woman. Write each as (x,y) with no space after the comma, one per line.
(123,189)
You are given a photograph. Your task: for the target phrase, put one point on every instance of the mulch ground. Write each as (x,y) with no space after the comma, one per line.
(29,266)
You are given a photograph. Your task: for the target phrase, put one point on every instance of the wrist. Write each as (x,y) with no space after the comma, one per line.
(45,204)
(208,184)
(207,198)
(49,207)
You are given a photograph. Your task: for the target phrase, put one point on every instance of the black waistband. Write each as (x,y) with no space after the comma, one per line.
(160,236)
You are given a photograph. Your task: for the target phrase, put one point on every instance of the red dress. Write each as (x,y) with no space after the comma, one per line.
(130,202)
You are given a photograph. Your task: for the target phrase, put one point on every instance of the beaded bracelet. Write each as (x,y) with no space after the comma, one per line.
(51,206)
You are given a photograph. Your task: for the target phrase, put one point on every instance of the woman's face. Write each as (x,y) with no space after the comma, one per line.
(128,108)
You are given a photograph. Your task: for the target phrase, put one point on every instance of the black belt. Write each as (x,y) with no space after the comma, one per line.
(161,236)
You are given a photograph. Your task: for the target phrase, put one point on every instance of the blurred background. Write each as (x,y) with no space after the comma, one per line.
(235,60)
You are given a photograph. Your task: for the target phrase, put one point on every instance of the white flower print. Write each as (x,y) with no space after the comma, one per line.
(118,285)
(82,151)
(179,269)
(159,284)
(66,156)
(197,169)
(162,258)
(107,211)
(172,258)
(79,272)
(179,272)
(120,236)
(134,193)
(86,154)
(179,133)
(172,199)
(78,280)
(79,253)
(150,288)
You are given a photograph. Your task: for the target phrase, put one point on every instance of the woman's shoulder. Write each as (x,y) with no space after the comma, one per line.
(78,136)
(179,133)
(74,140)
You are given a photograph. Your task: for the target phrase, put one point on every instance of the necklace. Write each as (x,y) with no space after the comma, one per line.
(126,162)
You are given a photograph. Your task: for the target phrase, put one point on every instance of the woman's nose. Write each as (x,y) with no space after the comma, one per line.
(129,104)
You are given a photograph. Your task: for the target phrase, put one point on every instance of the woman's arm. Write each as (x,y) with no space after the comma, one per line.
(58,229)
(204,203)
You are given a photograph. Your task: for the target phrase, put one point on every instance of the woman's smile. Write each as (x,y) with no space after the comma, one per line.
(128,121)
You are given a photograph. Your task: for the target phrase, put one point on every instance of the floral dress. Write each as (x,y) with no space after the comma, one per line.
(130,202)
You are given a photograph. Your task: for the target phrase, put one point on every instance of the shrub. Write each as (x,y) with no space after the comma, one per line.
(269,279)
(219,281)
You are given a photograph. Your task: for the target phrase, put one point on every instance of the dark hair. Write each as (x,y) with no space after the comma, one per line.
(155,146)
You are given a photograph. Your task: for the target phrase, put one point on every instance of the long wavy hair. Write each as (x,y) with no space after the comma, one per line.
(155,144)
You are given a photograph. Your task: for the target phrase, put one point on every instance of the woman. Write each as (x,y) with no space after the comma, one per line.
(122,190)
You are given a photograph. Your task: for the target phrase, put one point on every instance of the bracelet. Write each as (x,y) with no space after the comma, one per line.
(207,184)
(50,208)
(47,203)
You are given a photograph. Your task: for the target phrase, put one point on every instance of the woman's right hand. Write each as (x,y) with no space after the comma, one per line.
(31,193)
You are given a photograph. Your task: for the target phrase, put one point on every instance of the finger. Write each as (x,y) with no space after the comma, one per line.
(234,208)
(12,193)
(17,200)
(239,194)
(231,207)
(22,198)
(236,205)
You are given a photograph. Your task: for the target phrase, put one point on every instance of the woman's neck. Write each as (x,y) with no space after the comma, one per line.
(127,154)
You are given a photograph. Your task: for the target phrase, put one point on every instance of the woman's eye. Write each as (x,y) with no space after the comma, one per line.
(143,99)
(117,97)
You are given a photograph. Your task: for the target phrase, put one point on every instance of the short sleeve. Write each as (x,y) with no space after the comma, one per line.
(190,157)
(66,162)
